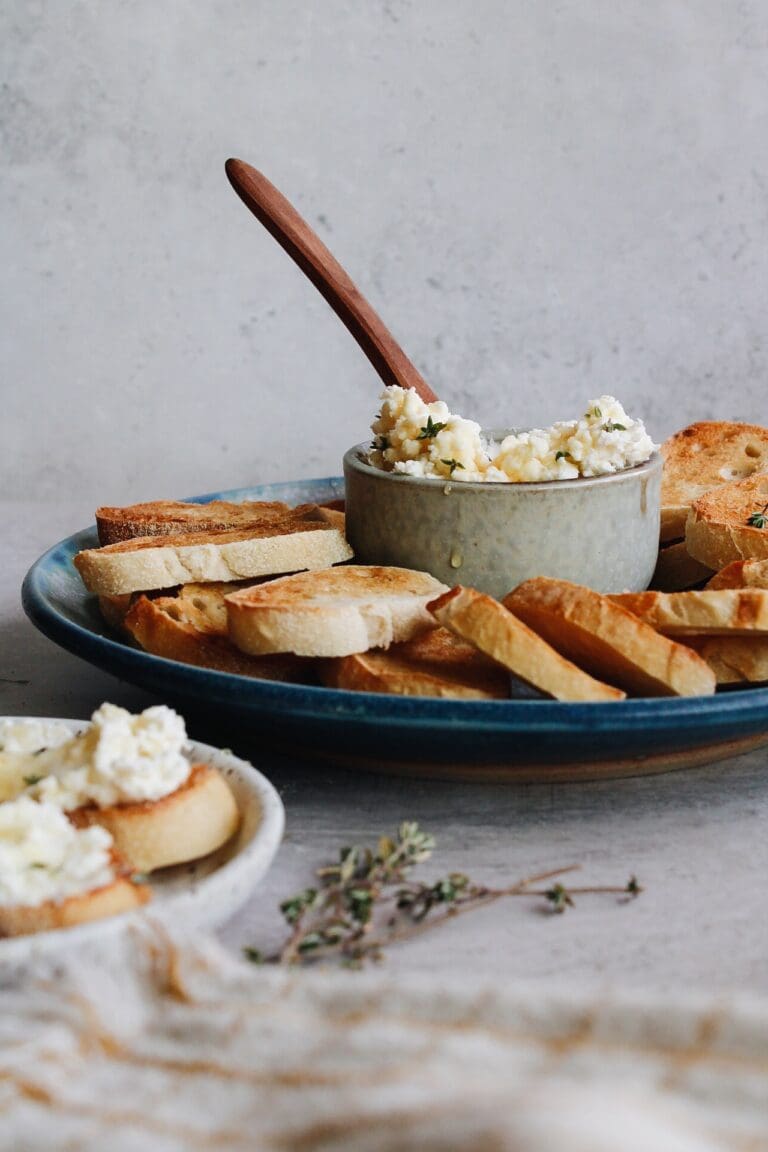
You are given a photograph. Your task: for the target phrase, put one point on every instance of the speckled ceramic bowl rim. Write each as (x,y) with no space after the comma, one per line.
(213,897)
(355,457)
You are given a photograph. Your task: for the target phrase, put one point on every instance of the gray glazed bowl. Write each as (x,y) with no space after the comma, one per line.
(602,531)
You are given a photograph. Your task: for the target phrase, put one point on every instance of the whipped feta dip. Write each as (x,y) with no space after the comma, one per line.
(419,439)
(43,857)
(119,759)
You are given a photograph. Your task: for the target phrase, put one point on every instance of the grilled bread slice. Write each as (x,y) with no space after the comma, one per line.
(500,634)
(730,523)
(122,895)
(189,823)
(732,611)
(677,570)
(704,456)
(173,517)
(436,663)
(734,659)
(178,628)
(332,613)
(741,574)
(602,636)
(295,541)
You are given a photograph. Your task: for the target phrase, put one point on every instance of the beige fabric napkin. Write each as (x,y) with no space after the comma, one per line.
(163,1046)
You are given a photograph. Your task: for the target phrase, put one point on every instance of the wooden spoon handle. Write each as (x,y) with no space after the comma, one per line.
(307,249)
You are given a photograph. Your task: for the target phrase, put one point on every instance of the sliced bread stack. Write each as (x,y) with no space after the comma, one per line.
(703,461)
(727,625)
(164,568)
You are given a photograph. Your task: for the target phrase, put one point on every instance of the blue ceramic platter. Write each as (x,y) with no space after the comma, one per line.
(515,740)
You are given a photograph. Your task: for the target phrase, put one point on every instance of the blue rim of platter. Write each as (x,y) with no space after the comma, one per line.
(342,725)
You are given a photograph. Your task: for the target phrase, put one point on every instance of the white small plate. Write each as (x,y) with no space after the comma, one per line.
(198,895)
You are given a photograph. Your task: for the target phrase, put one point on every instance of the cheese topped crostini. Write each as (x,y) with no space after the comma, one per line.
(130,775)
(53,875)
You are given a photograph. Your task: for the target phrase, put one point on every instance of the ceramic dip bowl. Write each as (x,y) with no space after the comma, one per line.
(601,531)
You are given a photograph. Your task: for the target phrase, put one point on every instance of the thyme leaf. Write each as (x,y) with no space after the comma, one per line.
(367,899)
(759,519)
(431,429)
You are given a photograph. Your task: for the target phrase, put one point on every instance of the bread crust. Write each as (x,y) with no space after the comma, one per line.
(734,659)
(677,570)
(728,611)
(167,517)
(609,641)
(333,613)
(718,531)
(436,663)
(703,457)
(290,544)
(741,574)
(503,636)
(189,823)
(122,895)
(165,627)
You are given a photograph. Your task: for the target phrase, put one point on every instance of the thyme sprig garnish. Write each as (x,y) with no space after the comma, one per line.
(431,429)
(759,519)
(452,465)
(612,426)
(368,900)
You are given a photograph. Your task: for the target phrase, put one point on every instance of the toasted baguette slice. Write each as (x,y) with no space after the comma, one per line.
(498,633)
(114,609)
(122,895)
(175,629)
(702,457)
(294,542)
(718,529)
(332,613)
(677,570)
(191,822)
(734,659)
(436,663)
(732,611)
(172,517)
(609,641)
(741,574)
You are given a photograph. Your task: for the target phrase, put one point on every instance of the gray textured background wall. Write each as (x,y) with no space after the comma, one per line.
(545,201)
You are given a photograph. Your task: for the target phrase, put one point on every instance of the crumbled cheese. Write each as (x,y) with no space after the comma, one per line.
(119,759)
(420,439)
(44,857)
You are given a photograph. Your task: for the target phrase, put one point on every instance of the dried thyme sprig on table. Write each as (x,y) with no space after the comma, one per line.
(367,901)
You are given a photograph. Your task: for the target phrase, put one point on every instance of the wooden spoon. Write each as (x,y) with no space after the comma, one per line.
(307,249)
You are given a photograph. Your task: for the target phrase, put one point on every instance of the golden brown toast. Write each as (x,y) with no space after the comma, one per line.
(122,895)
(294,541)
(741,574)
(704,456)
(436,663)
(502,636)
(172,517)
(608,641)
(677,570)
(734,659)
(177,628)
(189,823)
(730,523)
(731,611)
(332,613)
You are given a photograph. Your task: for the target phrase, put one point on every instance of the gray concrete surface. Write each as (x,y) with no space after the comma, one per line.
(546,202)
